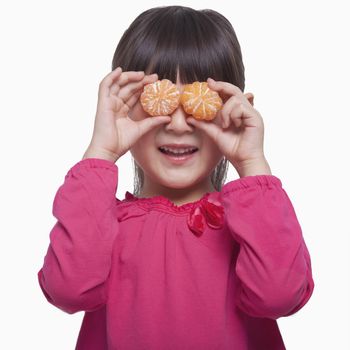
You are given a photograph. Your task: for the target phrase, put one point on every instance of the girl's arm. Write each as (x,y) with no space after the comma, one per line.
(273,265)
(78,260)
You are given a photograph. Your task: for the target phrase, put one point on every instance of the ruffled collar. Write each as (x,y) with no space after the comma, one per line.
(161,202)
(208,211)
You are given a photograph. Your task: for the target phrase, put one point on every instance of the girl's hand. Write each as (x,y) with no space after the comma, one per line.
(114,132)
(241,135)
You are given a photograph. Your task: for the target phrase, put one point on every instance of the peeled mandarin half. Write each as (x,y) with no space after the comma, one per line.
(160,98)
(200,101)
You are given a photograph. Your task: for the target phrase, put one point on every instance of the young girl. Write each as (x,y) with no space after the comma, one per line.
(186,261)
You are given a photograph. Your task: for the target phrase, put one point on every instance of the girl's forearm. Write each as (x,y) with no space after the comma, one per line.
(273,265)
(78,259)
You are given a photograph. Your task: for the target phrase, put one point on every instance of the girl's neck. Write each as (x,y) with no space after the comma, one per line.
(177,196)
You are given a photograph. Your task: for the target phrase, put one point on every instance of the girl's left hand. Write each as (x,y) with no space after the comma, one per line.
(241,135)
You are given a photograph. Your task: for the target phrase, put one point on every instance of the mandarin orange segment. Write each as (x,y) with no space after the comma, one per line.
(200,101)
(160,98)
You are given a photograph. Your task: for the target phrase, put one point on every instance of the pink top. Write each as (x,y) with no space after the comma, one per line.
(150,275)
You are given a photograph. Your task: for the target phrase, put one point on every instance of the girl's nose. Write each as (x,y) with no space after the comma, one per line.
(178,121)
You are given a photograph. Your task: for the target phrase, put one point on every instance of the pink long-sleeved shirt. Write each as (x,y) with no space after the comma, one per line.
(213,274)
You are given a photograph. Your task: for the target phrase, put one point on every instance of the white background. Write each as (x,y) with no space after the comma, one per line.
(53,56)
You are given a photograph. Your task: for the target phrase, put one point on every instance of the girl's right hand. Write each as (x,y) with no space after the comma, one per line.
(114,131)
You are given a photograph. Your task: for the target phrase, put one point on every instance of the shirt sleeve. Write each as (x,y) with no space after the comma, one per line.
(78,260)
(273,266)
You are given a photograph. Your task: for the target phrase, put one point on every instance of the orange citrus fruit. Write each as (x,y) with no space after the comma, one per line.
(160,98)
(200,101)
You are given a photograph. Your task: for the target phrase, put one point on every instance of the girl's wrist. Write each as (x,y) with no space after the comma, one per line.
(253,167)
(95,153)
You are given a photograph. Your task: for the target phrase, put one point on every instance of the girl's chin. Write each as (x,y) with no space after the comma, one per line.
(176,177)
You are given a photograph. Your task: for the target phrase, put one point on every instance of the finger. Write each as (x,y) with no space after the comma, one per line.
(219,119)
(236,116)
(148,124)
(107,81)
(249,117)
(224,88)
(134,97)
(225,114)
(123,79)
(241,115)
(231,112)
(128,91)
(210,128)
(127,80)
(129,76)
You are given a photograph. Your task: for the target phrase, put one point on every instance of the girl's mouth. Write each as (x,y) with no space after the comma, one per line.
(178,156)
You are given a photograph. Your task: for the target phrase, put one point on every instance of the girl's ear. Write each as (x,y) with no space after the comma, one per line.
(250,98)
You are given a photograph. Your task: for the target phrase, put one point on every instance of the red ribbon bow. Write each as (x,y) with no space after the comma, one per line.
(209,211)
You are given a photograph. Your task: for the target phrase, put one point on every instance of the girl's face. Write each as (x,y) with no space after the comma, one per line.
(161,175)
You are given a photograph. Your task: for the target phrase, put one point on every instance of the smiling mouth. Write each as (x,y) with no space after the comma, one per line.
(178,152)
(178,156)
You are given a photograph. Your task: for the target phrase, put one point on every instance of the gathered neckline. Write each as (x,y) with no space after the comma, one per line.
(164,203)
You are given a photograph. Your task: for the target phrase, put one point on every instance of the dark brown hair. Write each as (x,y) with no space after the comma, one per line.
(197,43)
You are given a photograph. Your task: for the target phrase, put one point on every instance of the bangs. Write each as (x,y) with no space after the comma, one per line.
(196,44)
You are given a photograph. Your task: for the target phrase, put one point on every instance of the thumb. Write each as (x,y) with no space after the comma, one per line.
(149,123)
(208,127)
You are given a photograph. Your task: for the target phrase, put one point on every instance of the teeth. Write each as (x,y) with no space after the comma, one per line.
(178,150)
